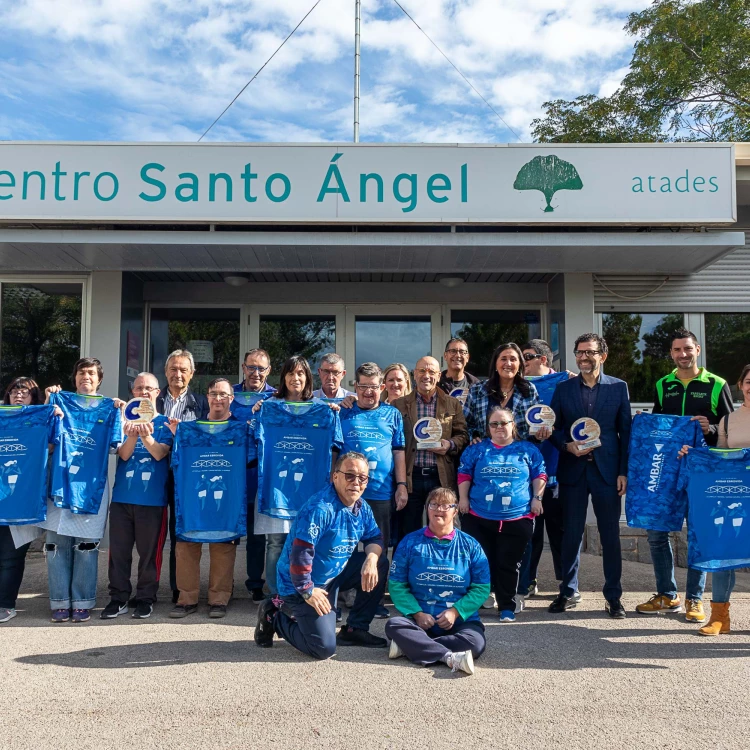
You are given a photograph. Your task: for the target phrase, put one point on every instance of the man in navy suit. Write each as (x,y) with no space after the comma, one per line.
(600,472)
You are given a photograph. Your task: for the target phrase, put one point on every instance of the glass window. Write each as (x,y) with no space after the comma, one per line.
(211,335)
(727,337)
(639,349)
(41,332)
(484,330)
(283,336)
(386,340)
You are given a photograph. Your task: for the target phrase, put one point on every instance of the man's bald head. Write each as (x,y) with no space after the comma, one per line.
(427,375)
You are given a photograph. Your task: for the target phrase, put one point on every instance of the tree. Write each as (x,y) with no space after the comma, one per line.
(689,80)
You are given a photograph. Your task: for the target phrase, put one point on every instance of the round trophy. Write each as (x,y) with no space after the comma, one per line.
(460,393)
(585,432)
(428,431)
(139,410)
(539,416)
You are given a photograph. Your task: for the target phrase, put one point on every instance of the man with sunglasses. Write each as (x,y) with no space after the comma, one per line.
(456,358)
(320,556)
(597,471)
(256,368)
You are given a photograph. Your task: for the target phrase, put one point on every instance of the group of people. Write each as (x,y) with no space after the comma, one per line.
(309,476)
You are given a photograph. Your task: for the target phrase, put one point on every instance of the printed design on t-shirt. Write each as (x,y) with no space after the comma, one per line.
(314,530)
(292,464)
(211,463)
(10,471)
(209,485)
(440,577)
(144,468)
(731,514)
(12,448)
(512,470)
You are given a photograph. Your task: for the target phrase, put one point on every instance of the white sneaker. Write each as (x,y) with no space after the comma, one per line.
(462,661)
(7,614)
(489,602)
(520,601)
(394,650)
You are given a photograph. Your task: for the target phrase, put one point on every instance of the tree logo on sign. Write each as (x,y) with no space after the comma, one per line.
(548,174)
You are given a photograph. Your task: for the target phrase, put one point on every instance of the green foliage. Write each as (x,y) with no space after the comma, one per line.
(548,174)
(689,80)
(727,335)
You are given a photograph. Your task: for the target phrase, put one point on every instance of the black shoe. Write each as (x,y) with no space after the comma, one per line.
(132,602)
(143,611)
(175,597)
(615,609)
(257,594)
(562,603)
(349,636)
(215,611)
(264,628)
(182,610)
(114,609)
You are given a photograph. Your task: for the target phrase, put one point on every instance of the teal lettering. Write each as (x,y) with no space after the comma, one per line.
(191,186)
(432,187)
(666,185)
(10,184)
(714,186)
(699,181)
(76,178)
(464,183)
(269,187)
(333,172)
(363,180)
(25,189)
(651,184)
(161,187)
(57,174)
(247,177)
(637,186)
(686,177)
(115,186)
(411,198)
(212,179)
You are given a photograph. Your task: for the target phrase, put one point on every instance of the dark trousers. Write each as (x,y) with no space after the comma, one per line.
(314,635)
(410,517)
(551,520)
(607,507)
(433,645)
(256,553)
(12,564)
(504,545)
(144,526)
(382,511)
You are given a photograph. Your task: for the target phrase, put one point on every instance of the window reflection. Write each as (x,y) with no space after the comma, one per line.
(727,336)
(386,340)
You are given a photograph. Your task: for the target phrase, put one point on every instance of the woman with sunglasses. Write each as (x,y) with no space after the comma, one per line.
(439,579)
(501,482)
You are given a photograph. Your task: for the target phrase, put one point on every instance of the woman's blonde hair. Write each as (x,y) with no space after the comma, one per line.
(407,376)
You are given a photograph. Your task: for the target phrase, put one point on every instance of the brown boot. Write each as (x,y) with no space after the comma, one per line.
(719,622)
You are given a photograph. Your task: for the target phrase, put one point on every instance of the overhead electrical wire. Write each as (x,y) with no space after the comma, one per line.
(260,70)
(473,87)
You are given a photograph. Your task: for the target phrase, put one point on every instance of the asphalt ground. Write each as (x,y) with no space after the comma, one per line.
(574,680)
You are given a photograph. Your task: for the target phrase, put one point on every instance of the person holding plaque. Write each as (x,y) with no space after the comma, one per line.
(435,432)
(454,380)
(592,433)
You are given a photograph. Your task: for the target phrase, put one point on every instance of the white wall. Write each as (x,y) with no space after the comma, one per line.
(105,301)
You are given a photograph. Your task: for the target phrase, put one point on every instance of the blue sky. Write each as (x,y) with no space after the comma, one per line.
(162,70)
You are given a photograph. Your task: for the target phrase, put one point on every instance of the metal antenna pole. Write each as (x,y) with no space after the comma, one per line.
(357,22)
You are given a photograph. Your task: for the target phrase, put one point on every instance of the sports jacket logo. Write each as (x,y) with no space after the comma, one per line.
(440,577)
(211,463)
(293,445)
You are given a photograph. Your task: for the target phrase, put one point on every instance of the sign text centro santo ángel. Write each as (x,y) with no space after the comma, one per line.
(369,183)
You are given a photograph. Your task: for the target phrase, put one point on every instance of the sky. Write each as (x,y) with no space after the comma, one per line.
(163,70)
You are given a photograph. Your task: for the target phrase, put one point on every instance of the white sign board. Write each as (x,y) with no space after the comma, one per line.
(202,351)
(370,183)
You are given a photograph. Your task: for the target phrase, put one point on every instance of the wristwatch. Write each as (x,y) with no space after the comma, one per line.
(404,484)
(537,497)
(306,594)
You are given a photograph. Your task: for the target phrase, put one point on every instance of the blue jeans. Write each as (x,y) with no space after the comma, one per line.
(72,565)
(722,585)
(663,560)
(274,545)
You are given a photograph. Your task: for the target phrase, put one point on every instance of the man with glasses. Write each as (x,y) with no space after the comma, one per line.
(691,391)
(434,467)
(456,358)
(376,430)
(319,557)
(597,471)
(256,368)
(138,513)
(331,372)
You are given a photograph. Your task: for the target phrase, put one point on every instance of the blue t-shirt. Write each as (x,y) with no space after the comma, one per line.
(293,444)
(25,433)
(545,387)
(375,433)
(439,572)
(501,478)
(209,461)
(90,427)
(717,483)
(142,480)
(242,406)
(333,530)
(653,501)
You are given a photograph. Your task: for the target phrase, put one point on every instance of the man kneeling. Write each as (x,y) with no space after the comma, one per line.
(320,557)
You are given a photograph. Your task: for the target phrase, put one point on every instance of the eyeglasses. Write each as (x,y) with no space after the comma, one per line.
(496,425)
(254,368)
(335,373)
(366,388)
(219,396)
(529,357)
(426,371)
(352,478)
(588,353)
(462,352)
(20,391)
(145,389)
(447,506)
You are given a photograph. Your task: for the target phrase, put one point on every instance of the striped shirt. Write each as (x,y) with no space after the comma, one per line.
(174,408)
(478,403)
(426,459)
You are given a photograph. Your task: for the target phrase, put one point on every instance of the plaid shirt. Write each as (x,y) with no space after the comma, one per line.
(426,459)
(478,403)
